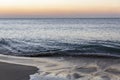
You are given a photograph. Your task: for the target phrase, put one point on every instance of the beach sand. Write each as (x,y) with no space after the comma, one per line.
(15,72)
(69,68)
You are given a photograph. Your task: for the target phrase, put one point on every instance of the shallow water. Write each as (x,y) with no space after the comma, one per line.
(69,68)
(60,36)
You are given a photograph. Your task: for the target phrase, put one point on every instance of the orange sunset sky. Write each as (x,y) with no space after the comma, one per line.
(60,8)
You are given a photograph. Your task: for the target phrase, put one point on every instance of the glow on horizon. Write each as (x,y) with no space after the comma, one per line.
(59,7)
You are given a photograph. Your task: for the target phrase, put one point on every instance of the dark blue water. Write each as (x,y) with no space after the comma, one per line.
(60,36)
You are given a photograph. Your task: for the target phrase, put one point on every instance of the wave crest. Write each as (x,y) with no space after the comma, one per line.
(46,47)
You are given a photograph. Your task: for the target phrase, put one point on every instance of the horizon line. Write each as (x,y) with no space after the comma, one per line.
(59,17)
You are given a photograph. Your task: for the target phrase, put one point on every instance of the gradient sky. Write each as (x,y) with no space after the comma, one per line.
(60,8)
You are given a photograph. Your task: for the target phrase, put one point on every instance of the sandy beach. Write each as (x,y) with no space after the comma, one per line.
(61,68)
(15,72)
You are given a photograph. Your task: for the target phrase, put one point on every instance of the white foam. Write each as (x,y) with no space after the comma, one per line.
(49,77)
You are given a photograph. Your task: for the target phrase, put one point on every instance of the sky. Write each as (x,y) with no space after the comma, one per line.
(60,8)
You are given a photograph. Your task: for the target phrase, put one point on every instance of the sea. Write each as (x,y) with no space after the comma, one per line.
(37,37)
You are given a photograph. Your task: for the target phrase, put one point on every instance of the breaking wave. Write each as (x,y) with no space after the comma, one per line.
(52,47)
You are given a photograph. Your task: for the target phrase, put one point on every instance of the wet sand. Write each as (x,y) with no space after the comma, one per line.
(15,72)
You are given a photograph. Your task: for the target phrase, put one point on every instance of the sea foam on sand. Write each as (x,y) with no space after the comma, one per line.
(70,68)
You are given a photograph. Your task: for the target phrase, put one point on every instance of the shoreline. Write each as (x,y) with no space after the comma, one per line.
(69,68)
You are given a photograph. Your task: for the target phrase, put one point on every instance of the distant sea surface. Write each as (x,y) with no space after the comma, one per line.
(36,37)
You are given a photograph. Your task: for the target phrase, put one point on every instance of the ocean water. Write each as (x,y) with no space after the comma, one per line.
(37,37)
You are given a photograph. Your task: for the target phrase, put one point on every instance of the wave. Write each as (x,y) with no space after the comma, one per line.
(51,47)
